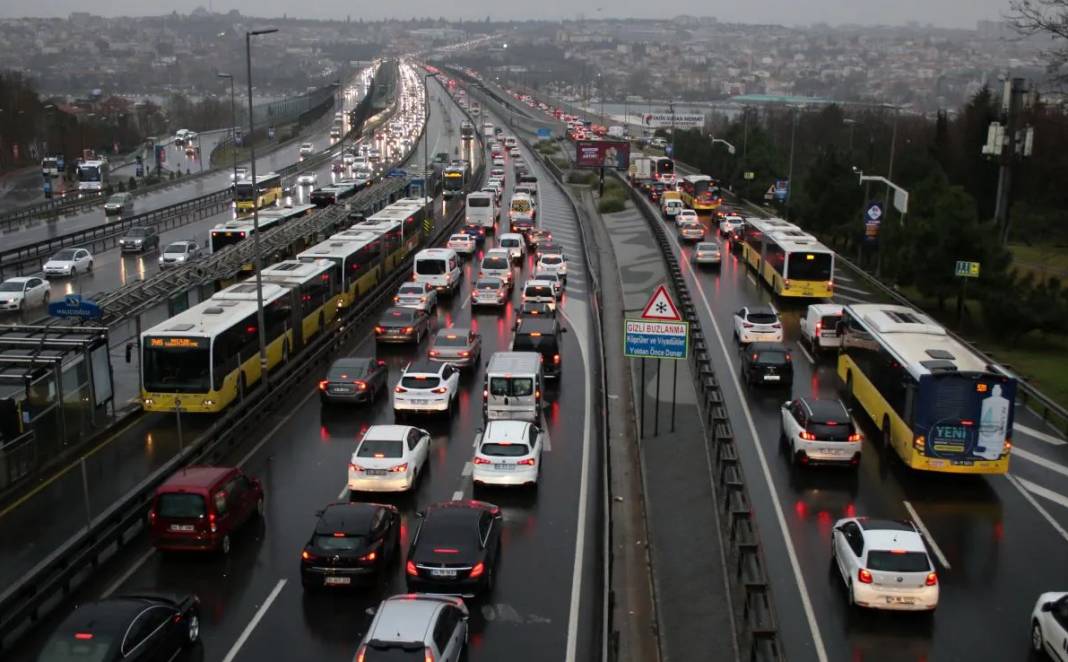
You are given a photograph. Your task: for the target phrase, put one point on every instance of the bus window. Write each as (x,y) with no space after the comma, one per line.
(809,266)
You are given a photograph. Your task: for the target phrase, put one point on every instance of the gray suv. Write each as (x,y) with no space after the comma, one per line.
(416,627)
(139,239)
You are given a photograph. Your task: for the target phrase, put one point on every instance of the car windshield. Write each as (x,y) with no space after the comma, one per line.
(67,254)
(505,449)
(335,543)
(175,248)
(706,246)
(420,381)
(430,267)
(831,430)
(460,238)
(11,287)
(180,504)
(451,340)
(64,647)
(762,318)
(510,242)
(488,285)
(137,232)
(380,448)
(898,561)
(521,205)
(538,291)
(495,263)
(511,386)
(551,259)
(772,357)
(398,316)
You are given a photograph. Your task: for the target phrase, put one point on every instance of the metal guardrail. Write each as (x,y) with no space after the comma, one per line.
(54,208)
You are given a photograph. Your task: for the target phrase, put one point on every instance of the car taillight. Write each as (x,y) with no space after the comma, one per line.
(152,517)
(360,385)
(932,579)
(379,329)
(854,437)
(528,462)
(776,325)
(864,576)
(399,469)
(211,522)
(477,570)
(807,436)
(322,385)
(410,568)
(361,654)
(747,325)
(396,298)
(306,555)
(408,329)
(480,460)
(440,390)
(400,389)
(368,558)
(435,352)
(428,655)
(355,467)
(465,354)
(556,358)
(819,325)
(485,394)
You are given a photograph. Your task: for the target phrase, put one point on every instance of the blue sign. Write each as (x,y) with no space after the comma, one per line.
(73,305)
(396,172)
(656,340)
(873,216)
(668,149)
(782,189)
(544,134)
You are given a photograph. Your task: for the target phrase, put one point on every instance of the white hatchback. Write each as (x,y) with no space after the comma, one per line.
(757,324)
(1049,626)
(884,564)
(389,458)
(508,453)
(684,216)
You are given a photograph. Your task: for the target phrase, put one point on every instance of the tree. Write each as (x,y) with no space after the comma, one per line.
(1045,17)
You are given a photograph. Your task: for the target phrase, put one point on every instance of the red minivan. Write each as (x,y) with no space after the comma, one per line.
(199,508)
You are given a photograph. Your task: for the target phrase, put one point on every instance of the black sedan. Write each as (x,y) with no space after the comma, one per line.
(402,325)
(353,544)
(767,363)
(455,549)
(143,626)
(353,379)
(477,231)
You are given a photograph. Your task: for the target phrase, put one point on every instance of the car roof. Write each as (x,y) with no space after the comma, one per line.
(397,312)
(403,619)
(195,477)
(352,362)
(387,432)
(350,518)
(424,366)
(19,279)
(497,431)
(827,308)
(902,536)
(496,252)
(113,614)
(543,325)
(826,410)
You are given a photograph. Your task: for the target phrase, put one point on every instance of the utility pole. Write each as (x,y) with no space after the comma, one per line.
(790,173)
(890,166)
(1008,141)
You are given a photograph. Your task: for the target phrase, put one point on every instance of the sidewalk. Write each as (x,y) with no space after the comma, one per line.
(693,608)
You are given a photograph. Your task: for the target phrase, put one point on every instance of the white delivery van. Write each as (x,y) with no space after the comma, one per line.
(439,267)
(481,209)
(513,387)
(522,212)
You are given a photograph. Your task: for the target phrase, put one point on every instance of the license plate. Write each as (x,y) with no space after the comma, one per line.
(771,378)
(376,472)
(899,600)
(337,581)
(442,572)
(420,401)
(340,389)
(504,467)
(184,528)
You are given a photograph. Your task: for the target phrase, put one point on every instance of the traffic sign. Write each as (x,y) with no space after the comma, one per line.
(544,134)
(874,212)
(73,305)
(661,307)
(967,269)
(645,339)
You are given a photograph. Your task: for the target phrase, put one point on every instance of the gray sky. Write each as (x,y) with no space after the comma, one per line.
(950,13)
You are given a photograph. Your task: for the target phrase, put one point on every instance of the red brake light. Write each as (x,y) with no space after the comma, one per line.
(306,555)
(361,654)
(360,385)
(932,579)
(485,394)
(465,354)
(480,460)
(439,390)
(477,570)
(407,329)
(776,325)
(819,325)
(854,437)
(367,558)
(556,358)
(379,329)
(322,385)
(864,576)
(355,467)
(428,655)
(211,521)
(83,636)
(410,568)
(400,389)
(747,325)
(435,352)
(528,462)
(400,468)
(807,436)
(446,550)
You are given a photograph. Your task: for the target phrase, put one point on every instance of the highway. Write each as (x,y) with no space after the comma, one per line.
(545,605)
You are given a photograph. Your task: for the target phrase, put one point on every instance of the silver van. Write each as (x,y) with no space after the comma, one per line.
(514,386)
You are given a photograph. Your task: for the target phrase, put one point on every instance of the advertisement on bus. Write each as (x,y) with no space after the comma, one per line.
(602,153)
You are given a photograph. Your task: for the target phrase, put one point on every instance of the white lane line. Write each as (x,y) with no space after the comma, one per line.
(1046,493)
(342,493)
(1041,436)
(801,346)
(478,440)
(458,495)
(795,565)
(927,535)
(468,468)
(748,276)
(1041,511)
(547,441)
(267,437)
(236,648)
(129,573)
(842,277)
(1039,460)
(850,289)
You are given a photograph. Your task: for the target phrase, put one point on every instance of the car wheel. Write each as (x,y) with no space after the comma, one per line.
(192,633)
(1037,641)
(224,546)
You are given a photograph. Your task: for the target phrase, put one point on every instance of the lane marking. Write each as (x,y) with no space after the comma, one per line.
(927,535)
(1041,511)
(468,468)
(748,276)
(1046,493)
(1041,436)
(458,495)
(478,440)
(254,622)
(795,565)
(129,573)
(342,493)
(1039,460)
(851,289)
(801,346)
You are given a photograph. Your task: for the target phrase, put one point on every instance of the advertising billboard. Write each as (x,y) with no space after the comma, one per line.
(678,120)
(602,153)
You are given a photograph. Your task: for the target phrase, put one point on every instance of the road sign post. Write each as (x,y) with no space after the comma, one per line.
(659,334)
(73,305)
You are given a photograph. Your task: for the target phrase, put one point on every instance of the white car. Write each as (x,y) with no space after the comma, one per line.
(421,296)
(306,149)
(389,458)
(554,263)
(1049,626)
(508,453)
(489,291)
(238,174)
(515,152)
(24,292)
(462,243)
(515,244)
(707,252)
(691,231)
(757,324)
(426,387)
(884,564)
(307,178)
(553,278)
(498,160)
(819,431)
(178,253)
(729,223)
(685,216)
(69,262)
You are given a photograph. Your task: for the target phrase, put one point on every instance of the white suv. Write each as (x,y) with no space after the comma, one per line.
(553,263)
(426,387)
(884,564)
(389,458)
(685,215)
(509,453)
(757,324)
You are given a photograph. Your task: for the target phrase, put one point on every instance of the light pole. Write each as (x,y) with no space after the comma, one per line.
(233,121)
(426,131)
(901,202)
(255,206)
(790,170)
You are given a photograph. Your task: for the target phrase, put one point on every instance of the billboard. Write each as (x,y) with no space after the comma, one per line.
(602,153)
(678,120)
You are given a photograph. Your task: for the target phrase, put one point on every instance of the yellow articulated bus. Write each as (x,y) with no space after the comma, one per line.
(359,260)
(317,286)
(206,357)
(700,193)
(937,404)
(266,191)
(792,262)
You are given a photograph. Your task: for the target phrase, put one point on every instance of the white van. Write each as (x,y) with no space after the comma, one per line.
(481,209)
(515,244)
(522,212)
(439,267)
(513,387)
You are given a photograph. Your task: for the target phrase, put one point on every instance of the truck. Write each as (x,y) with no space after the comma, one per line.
(617,131)
(467,130)
(641,167)
(488,130)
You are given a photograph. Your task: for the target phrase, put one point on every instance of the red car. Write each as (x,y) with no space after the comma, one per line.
(199,508)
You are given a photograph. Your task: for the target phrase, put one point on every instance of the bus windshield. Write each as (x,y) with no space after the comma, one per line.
(809,266)
(175,367)
(665,166)
(244,191)
(89,173)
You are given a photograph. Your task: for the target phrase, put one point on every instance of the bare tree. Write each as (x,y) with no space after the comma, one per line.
(1045,17)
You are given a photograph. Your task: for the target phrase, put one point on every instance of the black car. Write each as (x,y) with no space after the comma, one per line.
(402,325)
(139,239)
(767,363)
(477,231)
(353,379)
(353,544)
(549,248)
(541,336)
(135,627)
(455,549)
(535,310)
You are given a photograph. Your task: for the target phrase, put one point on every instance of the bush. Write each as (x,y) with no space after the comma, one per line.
(611,205)
(120,186)
(131,184)
(582,177)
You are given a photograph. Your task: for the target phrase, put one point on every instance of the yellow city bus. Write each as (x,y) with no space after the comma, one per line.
(317,286)
(266,191)
(700,193)
(937,404)
(792,262)
(359,259)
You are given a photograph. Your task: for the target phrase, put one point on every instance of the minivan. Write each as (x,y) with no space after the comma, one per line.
(521,212)
(439,267)
(200,507)
(515,244)
(481,209)
(513,386)
(541,335)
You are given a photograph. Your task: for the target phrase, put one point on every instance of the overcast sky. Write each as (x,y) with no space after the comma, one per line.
(950,13)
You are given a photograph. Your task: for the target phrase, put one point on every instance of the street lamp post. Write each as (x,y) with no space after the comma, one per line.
(790,173)
(426,131)
(255,207)
(233,121)
(901,202)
